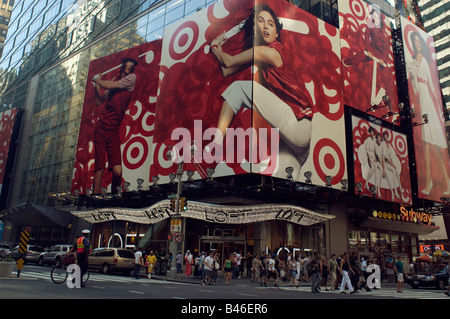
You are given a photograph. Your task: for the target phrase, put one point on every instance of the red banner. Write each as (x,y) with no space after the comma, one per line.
(381,162)
(429,134)
(126,116)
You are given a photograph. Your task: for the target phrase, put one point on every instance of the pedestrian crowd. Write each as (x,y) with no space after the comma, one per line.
(342,273)
(337,273)
(206,266)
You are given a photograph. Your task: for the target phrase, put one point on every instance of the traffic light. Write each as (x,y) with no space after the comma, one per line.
(173,203)
(183,203)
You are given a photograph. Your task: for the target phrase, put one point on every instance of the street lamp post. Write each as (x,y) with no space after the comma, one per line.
(179,188)
(176,246)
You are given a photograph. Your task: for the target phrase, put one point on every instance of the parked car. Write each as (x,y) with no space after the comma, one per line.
(55,255)
(4,250)
(32,254)
(433,275)
(111,260)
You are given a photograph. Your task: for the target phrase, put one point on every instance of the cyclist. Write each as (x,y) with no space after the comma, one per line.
(83,249)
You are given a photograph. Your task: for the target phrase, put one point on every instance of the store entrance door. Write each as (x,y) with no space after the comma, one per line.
(224,246)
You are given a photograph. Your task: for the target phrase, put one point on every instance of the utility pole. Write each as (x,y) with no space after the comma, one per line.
(177,238)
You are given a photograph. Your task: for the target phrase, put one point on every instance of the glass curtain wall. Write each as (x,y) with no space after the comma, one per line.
(77,34)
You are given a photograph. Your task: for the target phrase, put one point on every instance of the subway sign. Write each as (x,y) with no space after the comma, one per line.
(405,214)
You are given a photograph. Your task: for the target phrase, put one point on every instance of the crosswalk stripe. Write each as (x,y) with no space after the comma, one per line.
(94,277)
(408,294)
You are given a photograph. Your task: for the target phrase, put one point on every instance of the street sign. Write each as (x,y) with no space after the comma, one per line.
(23,243)
(23,248)
(175,225)
(176,237)
(20,263)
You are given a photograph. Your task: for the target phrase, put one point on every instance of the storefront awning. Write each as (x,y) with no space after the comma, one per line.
(33,215)
(440,234)
(225,214)
(401,226)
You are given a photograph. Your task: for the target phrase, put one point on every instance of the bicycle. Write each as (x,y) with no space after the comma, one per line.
(59,272)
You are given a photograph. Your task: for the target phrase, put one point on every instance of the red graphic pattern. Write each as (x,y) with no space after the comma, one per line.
(328,160)
(138,123)
(321,66)
(436,169)
(191,82)
(398,142)
(6,128)
(358,79)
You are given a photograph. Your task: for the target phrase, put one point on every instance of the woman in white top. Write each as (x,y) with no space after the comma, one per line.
(389,157)
(378,149)
(369,145)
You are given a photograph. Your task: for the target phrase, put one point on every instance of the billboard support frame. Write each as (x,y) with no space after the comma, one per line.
(403,96)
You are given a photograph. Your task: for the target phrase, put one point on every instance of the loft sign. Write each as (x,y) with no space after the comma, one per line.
(156,214)
(151,215)
(247,215)
(224,217)
(103,216)
(290,215)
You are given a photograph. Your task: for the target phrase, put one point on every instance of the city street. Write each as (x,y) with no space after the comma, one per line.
(35,283)
(188,298)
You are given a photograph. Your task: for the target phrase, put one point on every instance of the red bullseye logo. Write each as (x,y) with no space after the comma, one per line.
(400,145)
(358,9)
(135,152)
(329,160)
(183,40)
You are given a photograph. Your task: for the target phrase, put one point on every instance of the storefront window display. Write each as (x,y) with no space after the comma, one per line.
(374,242)
(381,243)
(396,243)
(358,241)
(414,247)
(251,237)
(122,234)
(385,242)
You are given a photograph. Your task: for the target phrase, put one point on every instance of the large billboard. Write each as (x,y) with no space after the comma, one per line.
(190,92)
(381,162)
(116,129)
(429,135)
(368,60)
(312,130)
(7,120)
(252,102)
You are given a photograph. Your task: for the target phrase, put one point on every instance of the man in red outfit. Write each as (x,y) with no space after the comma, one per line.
(117,93)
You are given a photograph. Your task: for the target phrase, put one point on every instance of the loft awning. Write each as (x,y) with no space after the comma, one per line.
(226,214)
